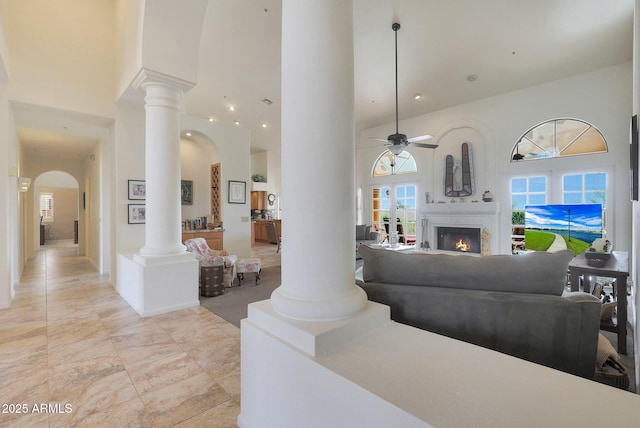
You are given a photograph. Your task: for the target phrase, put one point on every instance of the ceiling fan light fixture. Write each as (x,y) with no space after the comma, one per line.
(396,149)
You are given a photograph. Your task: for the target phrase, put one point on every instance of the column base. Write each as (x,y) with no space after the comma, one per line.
(314,338)
(337,308)
(157,285)
(284,358)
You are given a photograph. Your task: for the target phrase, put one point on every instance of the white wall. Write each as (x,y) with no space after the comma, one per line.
(259,164)
(269,164)
(128,156)
(8,222)
(92,207)
(232,143)
(65,71)
(493,125)
(197,155)
(167,50)
(128,41)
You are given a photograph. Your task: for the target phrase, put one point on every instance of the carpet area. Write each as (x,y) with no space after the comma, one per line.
(232,305)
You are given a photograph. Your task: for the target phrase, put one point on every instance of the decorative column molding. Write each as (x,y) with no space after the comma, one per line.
(318,263)
(162,162)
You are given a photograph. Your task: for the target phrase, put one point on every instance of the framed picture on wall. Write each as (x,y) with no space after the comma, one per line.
(137,213)
(186,192)
(237,192)
(137,190)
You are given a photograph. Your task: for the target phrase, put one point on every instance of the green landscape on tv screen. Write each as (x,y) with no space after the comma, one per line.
(577,224)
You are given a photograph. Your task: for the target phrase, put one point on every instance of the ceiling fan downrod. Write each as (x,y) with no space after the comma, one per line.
(396,26)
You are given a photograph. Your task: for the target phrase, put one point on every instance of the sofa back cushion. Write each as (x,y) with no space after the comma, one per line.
(362,232)
(534,272)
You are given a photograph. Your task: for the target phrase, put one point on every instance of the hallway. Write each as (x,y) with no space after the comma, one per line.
(71,342)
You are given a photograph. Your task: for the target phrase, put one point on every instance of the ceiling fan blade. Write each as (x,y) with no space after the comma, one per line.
(379,139)
(419,138)
(424,145)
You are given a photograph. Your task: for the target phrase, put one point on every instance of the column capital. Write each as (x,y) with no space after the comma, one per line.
(147,76)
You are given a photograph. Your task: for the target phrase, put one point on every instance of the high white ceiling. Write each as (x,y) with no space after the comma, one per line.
(507,44)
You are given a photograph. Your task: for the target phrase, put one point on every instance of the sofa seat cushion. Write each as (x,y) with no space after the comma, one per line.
(534,272)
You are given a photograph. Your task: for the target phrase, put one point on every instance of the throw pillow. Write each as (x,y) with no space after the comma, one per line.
(361,230)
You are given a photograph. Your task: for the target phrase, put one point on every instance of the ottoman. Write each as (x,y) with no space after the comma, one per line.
(248,265)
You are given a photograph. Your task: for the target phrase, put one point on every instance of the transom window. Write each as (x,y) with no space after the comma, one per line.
(558,138)
(390,164)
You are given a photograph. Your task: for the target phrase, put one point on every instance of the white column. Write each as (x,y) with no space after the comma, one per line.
(318,163)
(162,163)
(162,277)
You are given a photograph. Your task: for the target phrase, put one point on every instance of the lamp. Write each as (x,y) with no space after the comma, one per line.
(23,184)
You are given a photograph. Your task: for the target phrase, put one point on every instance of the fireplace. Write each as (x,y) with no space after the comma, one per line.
(482,217)
(459,239)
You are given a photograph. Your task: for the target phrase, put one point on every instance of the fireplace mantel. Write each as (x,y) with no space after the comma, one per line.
(462,208)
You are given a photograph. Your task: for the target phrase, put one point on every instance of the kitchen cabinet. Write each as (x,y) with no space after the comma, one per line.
(258,200)
(260,229)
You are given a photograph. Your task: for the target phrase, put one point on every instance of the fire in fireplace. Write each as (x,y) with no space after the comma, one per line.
(460,239)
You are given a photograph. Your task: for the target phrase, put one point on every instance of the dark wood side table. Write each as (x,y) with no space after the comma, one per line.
(617,267)
(211,280)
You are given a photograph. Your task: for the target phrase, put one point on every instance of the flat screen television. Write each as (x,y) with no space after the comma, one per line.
(580,223)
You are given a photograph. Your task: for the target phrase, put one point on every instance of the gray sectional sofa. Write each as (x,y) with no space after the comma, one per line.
(365,236)
(515,304)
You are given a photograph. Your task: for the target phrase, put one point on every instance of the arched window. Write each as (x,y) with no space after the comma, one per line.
(558,138)
(390,164)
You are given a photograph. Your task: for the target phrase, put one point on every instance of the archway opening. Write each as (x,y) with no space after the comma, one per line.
(56,207)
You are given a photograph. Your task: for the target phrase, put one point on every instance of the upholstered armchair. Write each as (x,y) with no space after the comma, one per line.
(208,257)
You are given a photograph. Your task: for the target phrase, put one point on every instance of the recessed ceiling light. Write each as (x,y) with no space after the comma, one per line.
(188,134)
(232,108)
(417,97)
(211,119)
(267,101)
(264,125)
(472,77)
(236,122)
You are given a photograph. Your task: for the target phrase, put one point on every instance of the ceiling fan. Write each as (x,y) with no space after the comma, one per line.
(397,142)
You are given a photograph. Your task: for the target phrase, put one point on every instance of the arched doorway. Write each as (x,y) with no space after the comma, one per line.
(56,208)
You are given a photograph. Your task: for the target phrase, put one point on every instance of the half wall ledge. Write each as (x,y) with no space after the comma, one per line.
(396,375)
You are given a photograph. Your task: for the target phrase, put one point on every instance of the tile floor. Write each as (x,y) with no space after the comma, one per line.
(71,343)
